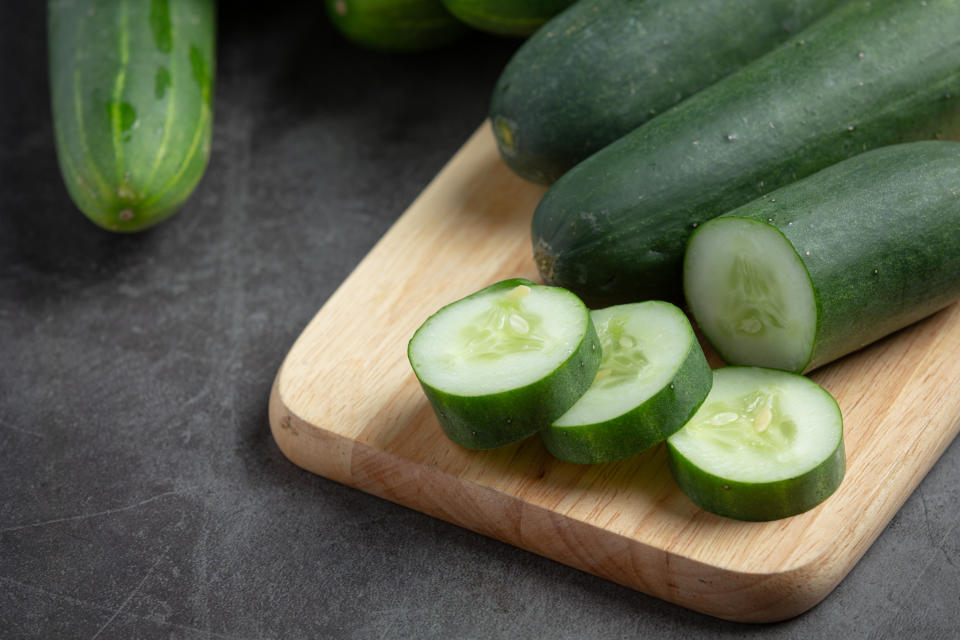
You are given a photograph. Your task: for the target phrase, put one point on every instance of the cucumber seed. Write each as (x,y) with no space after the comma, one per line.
(724,417)
(763,419)
(518,292)
(519,324)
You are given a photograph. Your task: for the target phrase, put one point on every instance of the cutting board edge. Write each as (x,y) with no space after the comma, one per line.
(722,592)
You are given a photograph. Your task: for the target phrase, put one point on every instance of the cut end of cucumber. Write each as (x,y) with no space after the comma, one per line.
(750,293)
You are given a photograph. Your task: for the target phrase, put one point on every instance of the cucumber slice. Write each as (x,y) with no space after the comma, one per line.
(502,363)
(766,444)
(652,377)
(751,294)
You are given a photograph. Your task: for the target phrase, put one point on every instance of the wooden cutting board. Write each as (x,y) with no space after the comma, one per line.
(345,405)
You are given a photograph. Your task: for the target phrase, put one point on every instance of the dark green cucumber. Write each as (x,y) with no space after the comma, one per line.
(828,264)
(604,67)
(504,362)
(131,89)
(506,17)
(765,445)
(652,377)
(866,75)
(395,25)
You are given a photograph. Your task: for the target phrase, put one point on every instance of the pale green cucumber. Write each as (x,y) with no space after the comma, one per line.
(131,89)
(652,377)
(502,363)
(766,444)
(828,264)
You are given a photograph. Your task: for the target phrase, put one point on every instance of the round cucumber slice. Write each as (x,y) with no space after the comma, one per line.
(751,294)
(502,363)
(766,444)
(652,377)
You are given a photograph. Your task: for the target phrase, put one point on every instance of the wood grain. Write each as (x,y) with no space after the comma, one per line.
(345,405)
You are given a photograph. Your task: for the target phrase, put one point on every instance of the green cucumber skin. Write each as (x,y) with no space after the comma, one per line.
(132,98)
(491,421)
(517,18)
(757,501)
(604,67)
(648,424)
(395,26)
(879,235)
(615,227)
(760,501)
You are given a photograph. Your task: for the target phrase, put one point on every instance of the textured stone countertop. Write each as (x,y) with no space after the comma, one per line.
(141,492)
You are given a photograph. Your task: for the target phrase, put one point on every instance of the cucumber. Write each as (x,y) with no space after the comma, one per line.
(766,444)
(868,74)
(131,86)
(505,361)
(604,67)
(518,18)
(395,26)
(652,377)
(828,264)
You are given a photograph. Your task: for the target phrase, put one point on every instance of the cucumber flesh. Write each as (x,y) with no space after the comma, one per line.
(496,342)
(652,377)
(501,363)
(751,294)
(766,444)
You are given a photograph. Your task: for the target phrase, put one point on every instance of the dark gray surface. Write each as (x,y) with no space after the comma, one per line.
(141,494)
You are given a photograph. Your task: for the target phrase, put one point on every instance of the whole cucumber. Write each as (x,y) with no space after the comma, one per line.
(395,26)
(604,67)
(868,74)
(131,85)
(517,18)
